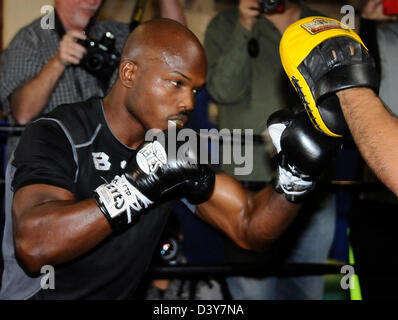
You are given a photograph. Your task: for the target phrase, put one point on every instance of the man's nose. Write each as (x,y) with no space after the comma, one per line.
(188,103)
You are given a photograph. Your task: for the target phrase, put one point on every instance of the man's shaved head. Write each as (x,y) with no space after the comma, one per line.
(163,65)
(163,39)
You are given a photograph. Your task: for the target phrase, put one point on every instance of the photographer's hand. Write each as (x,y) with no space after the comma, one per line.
(70,51)
(249,10)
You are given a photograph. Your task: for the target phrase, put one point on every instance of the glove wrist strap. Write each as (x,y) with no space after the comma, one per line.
(120,202)
(294,185)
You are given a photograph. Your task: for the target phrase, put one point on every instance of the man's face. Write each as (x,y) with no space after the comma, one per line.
(80,11)
(165,88)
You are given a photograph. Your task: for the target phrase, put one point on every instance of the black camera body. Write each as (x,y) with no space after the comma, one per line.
(271,6)
(101,58)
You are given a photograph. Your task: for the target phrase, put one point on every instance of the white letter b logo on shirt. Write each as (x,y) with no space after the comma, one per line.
(101,161)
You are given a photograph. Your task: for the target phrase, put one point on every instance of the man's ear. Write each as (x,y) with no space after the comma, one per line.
(127,73)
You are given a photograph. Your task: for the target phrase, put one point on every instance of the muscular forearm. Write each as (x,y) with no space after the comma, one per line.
(252,221)
(29,100)
(375,131)
(58,231)
(267,219)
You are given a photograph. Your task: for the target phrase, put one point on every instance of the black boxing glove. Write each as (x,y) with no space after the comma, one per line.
(303,153)
(321,56)
(151,177)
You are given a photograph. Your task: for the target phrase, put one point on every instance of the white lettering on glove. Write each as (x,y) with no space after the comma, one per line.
(275,132)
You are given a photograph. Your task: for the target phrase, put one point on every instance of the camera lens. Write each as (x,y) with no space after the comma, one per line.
(95,61)
(271,6)
(169,249)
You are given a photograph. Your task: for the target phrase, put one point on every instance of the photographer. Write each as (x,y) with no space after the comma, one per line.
(40,67)
(247,80)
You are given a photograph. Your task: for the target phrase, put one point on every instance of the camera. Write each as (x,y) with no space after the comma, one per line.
(271,6)
(169,250)
(101,58)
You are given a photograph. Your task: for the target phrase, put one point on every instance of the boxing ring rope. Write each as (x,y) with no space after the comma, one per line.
(11,129)
(259,270)
(253,270)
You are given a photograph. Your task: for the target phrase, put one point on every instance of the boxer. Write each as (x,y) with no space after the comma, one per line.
(90,196)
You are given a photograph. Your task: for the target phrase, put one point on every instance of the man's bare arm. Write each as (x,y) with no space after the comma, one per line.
(255,220)
(375,131)
(29,100)
(252,220)
(51,227)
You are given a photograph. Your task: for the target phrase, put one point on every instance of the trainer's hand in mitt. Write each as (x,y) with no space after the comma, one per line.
(321,56)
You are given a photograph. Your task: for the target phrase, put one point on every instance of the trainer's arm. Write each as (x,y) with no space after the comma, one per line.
(51,227)
(252,220)
(375,132)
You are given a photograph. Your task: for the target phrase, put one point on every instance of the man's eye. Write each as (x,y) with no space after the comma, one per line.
(177,83)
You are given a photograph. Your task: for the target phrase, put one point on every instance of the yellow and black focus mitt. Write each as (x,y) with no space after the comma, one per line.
(322,56)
